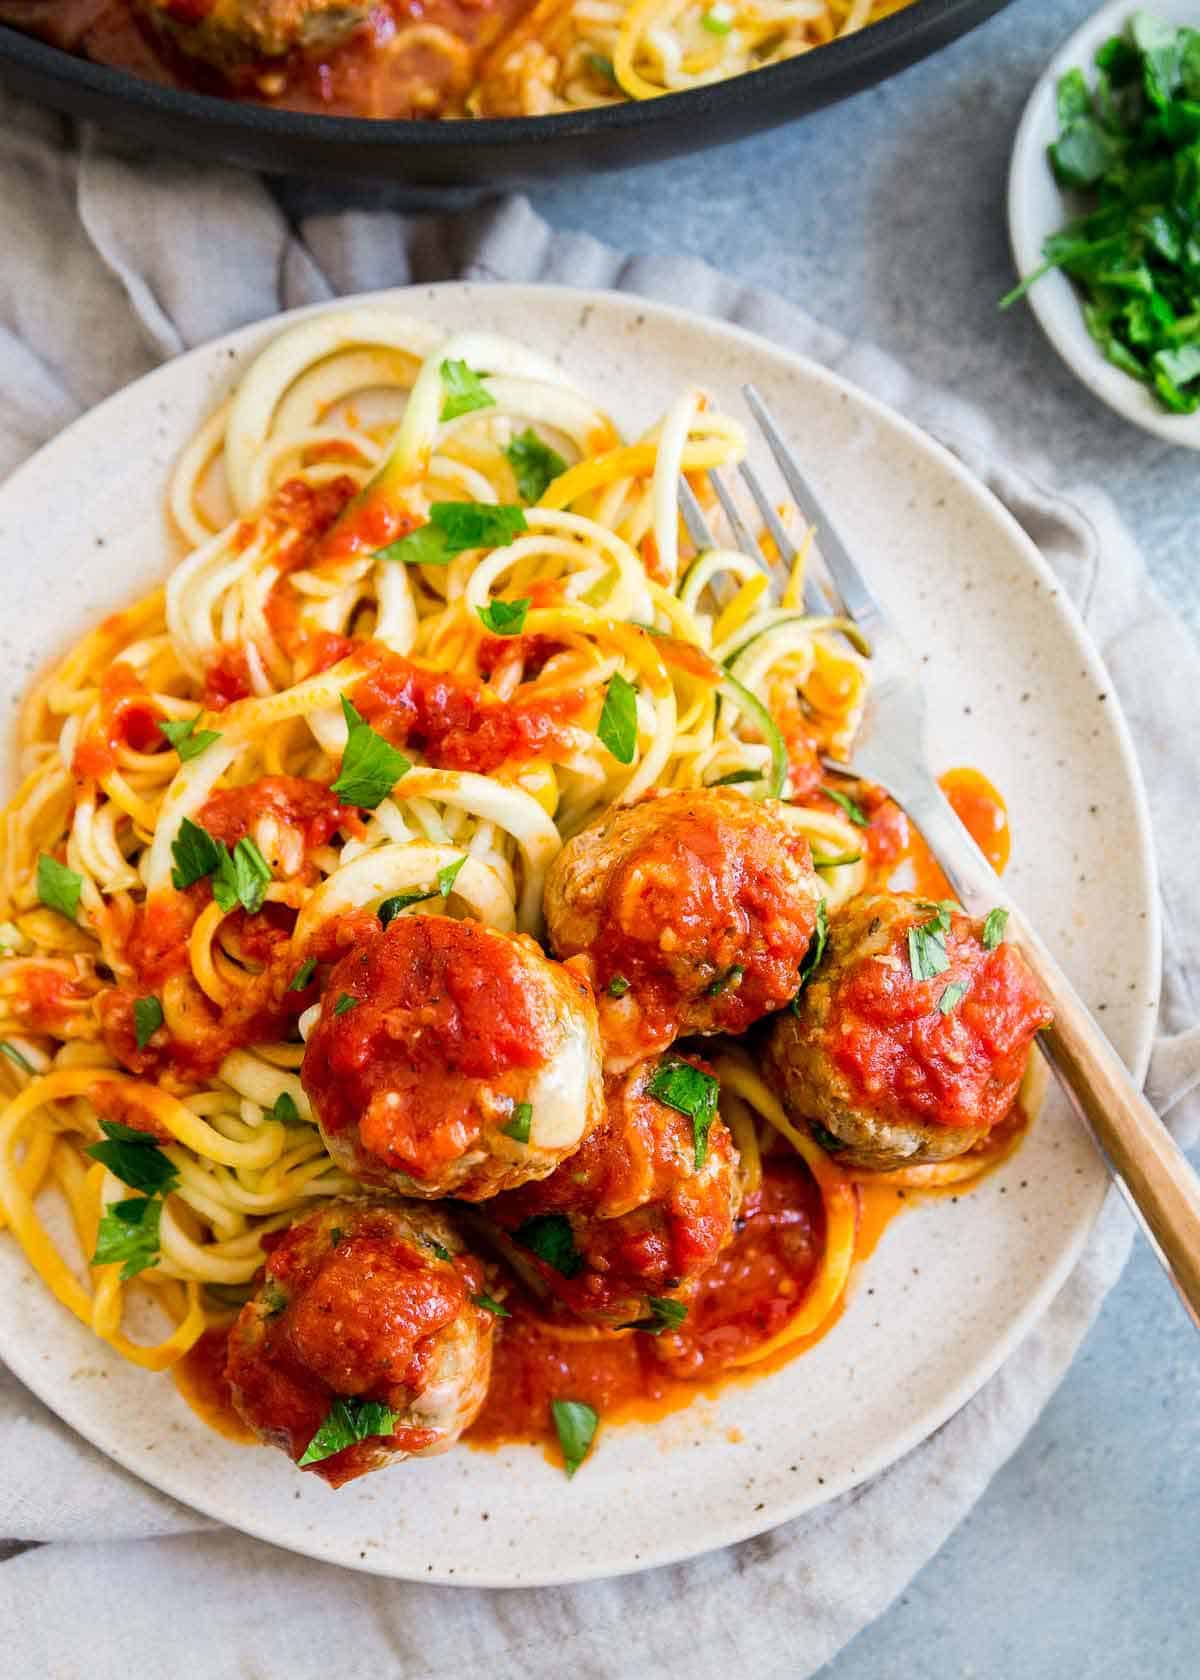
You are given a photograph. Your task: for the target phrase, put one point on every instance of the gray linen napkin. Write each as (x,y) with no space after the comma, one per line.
(115,260)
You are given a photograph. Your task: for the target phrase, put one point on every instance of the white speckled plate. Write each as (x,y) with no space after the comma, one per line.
(1015,689)
(1037,207)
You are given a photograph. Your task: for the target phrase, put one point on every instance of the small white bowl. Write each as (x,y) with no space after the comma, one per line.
(1037,207)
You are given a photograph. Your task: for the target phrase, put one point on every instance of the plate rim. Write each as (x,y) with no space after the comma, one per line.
(237,345)
(1053,299)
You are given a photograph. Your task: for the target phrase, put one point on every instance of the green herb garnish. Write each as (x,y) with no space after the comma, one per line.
(576,1423)
(1130,144)
(183,737)
(135,1158)
(664,1315)
(344,1003)
(617,986)
(519,1126)
(617,727)
(455,527)
(723,982)
(927,947)
(241,877)
(439,1250)
(953,995)
(464,391)
(994,924)
(58,887)
(371,766)
(491,1305)
(816,950)
(505,618)
(285,1111)
(535,465)
(549,1236)
(129,1233)
(737,776)
(303,975)
(196,854)
(602,67)
(348,1421)
(391,907)
(147,1018)
(688,1090)
(448,874)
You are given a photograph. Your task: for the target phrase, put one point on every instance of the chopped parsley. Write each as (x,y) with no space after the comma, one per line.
(448,874)
(303,975)
(519,1126)
(241,877)
(128,1234)
(285,1111)
(664,1315)
(335,1236)
(185,739)
(927,946)
(464,391)
(347,1422)
(601,66)
(688,1091)
(391,907)
(576,1423)
(535,465)
(58,887)
(549,1236)
(617,727)
(490,1305)
(994,924)
(617,986)
(505,618)
(439,1250)
(147,1018)
(135,1158)
(850,806)
(731,977)
(196,854)
(345,1002)
(371,766)
(455,527)
(816,950)
(953,995)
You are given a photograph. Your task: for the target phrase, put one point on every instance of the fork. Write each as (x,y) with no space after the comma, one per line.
(1147,1165)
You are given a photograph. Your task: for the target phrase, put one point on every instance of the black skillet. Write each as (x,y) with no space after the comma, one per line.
(507,151)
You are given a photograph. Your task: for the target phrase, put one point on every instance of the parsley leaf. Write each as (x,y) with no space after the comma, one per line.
(455,527)
(345,1003)
(953,995)
(464,391)
(617,727)
(722,983)
(576,1423)
(391,907)
(505,618)
(58,887)
(15,1056)
(735,777)
(135,1158)
(147,1018)
(549,1236)
(664,1315)
(196,854)
(850,806)
(348,1421)
(601,66)
(184,739)
(285,1111)
(302,978)
(241,877)
(371,766)
(688,1091)
(489,1305)
(927,948)
(448,874)
(617,986)
(994,924)
(129,1233)
(519,1126)
(534,464)
(816,950)
(439,1249)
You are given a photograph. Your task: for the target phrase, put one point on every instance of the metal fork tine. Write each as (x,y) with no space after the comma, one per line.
(742,535)
(693,517)
(860,604)
(814,601)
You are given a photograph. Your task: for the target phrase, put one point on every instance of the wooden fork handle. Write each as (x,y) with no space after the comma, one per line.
(1145,1161)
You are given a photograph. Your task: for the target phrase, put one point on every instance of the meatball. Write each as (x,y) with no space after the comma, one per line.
(630,1217)
(231,33)
(452,1060)
(899,1070)
(694,910)
(364,1343)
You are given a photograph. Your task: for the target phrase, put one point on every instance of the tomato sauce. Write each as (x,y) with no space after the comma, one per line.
(128,718)
(294,802)
(48,999)
(900,858)
(458,724)
(200,1378)
(226,679)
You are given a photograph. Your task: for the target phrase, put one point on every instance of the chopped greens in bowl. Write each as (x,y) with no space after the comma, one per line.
(1128,149)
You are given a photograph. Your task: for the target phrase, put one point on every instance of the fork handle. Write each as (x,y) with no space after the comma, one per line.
(1147,1164)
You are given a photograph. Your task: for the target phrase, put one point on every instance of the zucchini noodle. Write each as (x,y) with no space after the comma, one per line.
(283,603)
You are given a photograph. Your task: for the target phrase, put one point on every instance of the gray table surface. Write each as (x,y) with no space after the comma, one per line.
(884,217)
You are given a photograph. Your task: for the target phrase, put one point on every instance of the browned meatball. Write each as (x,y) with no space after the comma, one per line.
(450,1059)
(643,1207)
(229,33)
(897,1069)
(694,909)
(364,1343)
